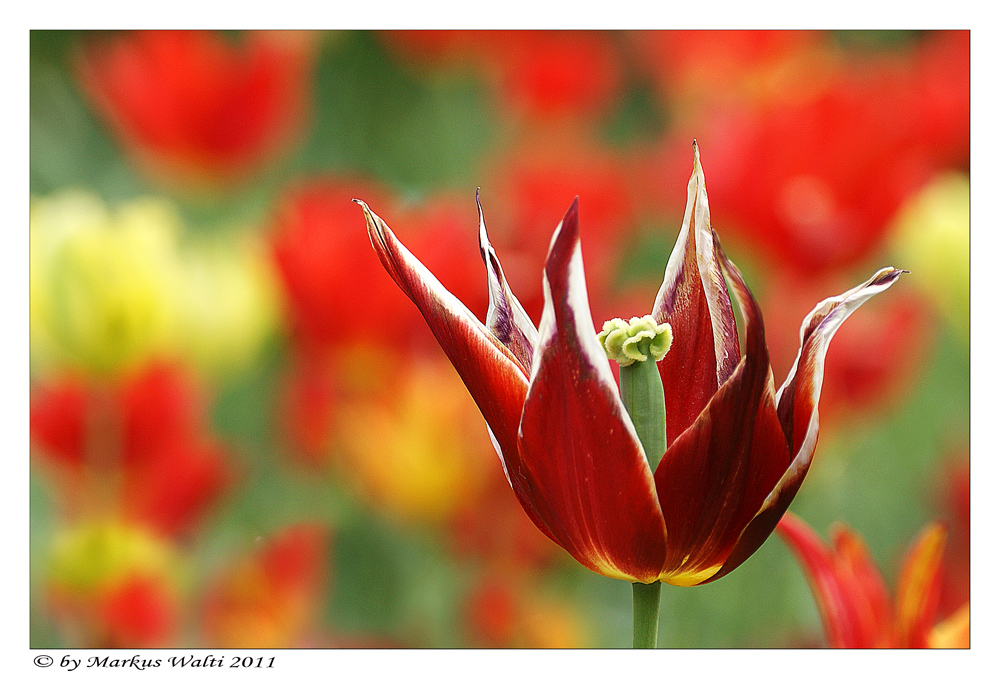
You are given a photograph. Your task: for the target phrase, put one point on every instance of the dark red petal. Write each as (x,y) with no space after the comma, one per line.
(505,318)
(694,300)
(717,473)
(490,371)
(798,407)
(583,465)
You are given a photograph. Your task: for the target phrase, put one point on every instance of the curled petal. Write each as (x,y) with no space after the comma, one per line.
(694,300)
(505,318)
(491,373)
(798,408)
(585,469)
(715,475)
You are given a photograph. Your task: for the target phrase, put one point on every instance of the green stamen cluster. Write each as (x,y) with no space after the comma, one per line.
(635,340)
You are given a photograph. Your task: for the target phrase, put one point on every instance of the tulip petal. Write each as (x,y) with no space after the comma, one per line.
(505,318)
(715,475)
(798,407)
(694,300)
(491,372)
(866,586)
(587,472)
(840,600)
(918,588)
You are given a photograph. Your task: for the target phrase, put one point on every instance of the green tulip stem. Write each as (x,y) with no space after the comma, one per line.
(642,394)
(645,613)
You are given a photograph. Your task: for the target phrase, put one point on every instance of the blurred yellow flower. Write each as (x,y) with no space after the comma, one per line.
(111,289)
(228,300)
(932,238)
(90,555)
(111,584)
(100,282)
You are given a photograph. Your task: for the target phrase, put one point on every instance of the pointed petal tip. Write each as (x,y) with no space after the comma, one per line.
(886,276)
(369,215)
(566,233)
(573,213)
(697,170)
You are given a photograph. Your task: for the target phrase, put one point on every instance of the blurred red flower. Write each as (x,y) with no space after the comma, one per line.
(534,183)
(695,69)
(306,406)
(270,599)
(195,105)
(325,264)
(814,180)
(140,449)
(140,613)
(854,603)
(555,74)
(330,272)
(542,75)
(331,276)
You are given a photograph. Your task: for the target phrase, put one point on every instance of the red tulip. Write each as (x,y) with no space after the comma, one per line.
(140,447)
(794,171)
(854,601)
(327,270)
(546,76)
(194,106)
(735,453)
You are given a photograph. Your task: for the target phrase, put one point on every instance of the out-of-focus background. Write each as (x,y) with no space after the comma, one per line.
(242,433)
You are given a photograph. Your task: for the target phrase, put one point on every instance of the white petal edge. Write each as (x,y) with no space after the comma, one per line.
(501,296)
(697,206)
(594,353)
(842,307)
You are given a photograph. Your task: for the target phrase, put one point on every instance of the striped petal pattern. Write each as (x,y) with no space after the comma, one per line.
(715,476)
(737,451)
(693,297)
(594,486)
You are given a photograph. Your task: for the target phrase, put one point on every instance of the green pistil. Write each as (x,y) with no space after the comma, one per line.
(636,340)
(630,344)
